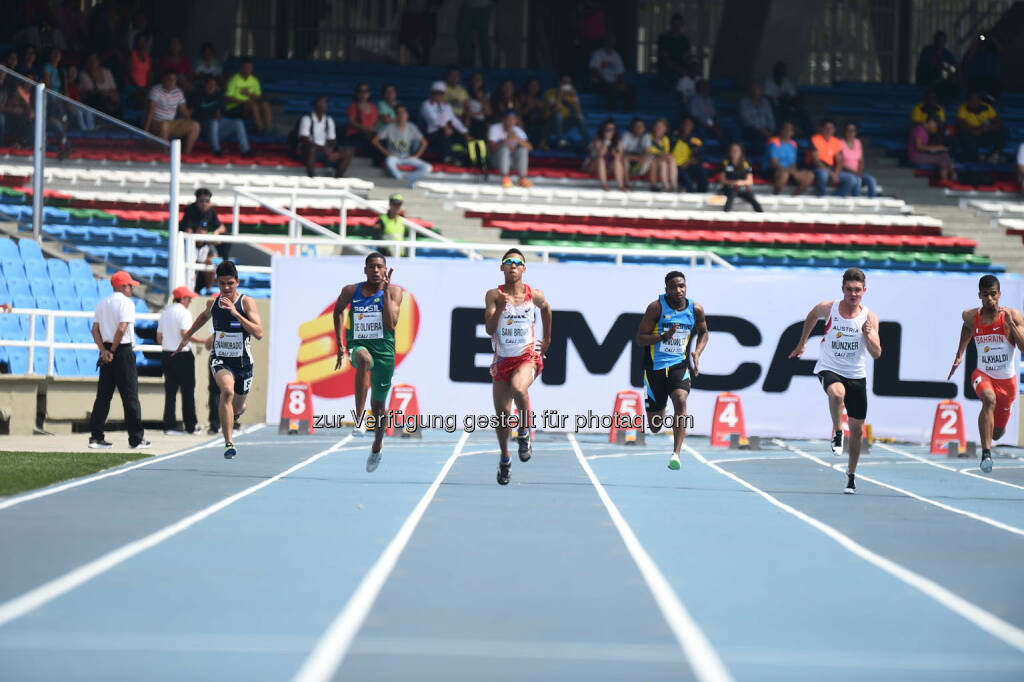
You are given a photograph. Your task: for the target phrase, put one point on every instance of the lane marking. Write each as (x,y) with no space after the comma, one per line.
(33,599)
(727,460)
(45,492)
(627,454)
(946,467)
(989,622)
(920,498)
(330,650)
(699,653)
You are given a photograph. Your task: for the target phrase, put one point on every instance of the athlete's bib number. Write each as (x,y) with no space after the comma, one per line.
(228,344)
(368,325)
(516,335)
(674,346)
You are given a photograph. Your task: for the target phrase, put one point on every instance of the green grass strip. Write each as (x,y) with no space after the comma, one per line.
(21,471)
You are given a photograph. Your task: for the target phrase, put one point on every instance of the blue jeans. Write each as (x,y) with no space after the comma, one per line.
(229,127)
(847,182)
(867,181)
(565,123)
(420,168)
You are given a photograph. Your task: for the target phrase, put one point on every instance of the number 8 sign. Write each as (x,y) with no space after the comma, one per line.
(297,408)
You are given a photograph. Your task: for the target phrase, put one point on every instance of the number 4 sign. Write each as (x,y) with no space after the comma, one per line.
(948,427)
(727,420)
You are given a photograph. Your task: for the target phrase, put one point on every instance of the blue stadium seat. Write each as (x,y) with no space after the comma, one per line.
(86,363)
(64,363)
(60,330)
(103,288)
(54,215)
(13,269)
(29,250)
(18,286)
(55,231)
(80,329)
(10,328)
(17,358)
(23,300)
(77,234)
(40,361)
(36,268)
(40,286)
(48,301)
(84,286)
(80,270)
(63,286)
(58,270)
(5,293)
(100,235)
(8,249)
(70,302)
(88,302)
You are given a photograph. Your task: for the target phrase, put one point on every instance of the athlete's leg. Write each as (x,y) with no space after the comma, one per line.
(679,397)
(655,399)
(655,424)
(379,423)
(519,384)
(836,395)
(502,393)
(856,438)
(363,362)
(226,381)
(986,418)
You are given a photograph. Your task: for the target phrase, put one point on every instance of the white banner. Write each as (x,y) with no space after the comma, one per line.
(754,317)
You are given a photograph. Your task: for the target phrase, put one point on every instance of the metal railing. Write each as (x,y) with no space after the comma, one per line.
(50,345)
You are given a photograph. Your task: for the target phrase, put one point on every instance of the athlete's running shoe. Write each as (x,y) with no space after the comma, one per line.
(673,463)
(229,451)
(837,443)
(851,485)
(373,460)
(525,447)
(986,462)
(504,472)
(99,444)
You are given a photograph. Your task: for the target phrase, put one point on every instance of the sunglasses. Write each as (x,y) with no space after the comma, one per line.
(513,261)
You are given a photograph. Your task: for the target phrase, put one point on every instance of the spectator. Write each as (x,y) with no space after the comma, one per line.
(702,109)
(921,153)
(608,75)
(113,330)
(853,161)
(208,65)
(563,107)
(52,73)
(177,62)
(207,106)
(478,107)
(738,178)
(318,141)
(786,102)
(978,125)
(200,217)
(97,87)
(85,119)
(928,106)
(936,68)
(606,150)
(390,226)
(179,369)
(405,147)
(454,93)
(635,146)
(757,122)
(503,100)
(139,26)
(508,144)
(386,106)
(530,108)
(418,28)
(782,152)
(686,156)
(56,110)
(27,64)
(686,86)
(1020,166)
(140,68)
(245,97)
(673,53)
(42,36)
(474,22)
(827,162)
(362,116)
(165,101)
(443,127)
(663,167)
(15,113)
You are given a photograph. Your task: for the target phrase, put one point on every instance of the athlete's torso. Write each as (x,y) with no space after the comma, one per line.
(231,343)
(842,345)
(673,351)
(516,333)
(995,351)
(366,321)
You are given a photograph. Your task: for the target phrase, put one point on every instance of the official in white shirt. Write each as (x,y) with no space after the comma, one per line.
(179,370)
(318,141)
(113,330)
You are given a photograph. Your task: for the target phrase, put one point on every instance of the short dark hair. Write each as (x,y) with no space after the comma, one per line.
(168,72)
(511,251)
(318,98)
(827,120)
(672,275)
(245,60)
(987,282)
(227,268)
(205,45)
(452,67)
(854,275)
(203,192)
(400,106)
(373,255)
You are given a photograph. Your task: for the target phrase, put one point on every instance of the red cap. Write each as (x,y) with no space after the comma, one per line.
(183,292)
(120,278)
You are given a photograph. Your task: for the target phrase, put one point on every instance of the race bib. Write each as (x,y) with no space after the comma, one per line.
(676,345)
(228,344)
(368,325)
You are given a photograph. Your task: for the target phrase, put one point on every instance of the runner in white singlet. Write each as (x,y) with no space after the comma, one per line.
(510,318)
(851,330)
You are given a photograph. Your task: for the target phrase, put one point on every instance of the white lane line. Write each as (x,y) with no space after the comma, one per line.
(627,454)
(727,460)
(920,498)
(49,591)
(330,651)
(6,504)
(966,472)
(987,621)
(698,650)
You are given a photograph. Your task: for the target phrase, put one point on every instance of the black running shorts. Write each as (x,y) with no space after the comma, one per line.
(659,384)
(856,400)
(242,375)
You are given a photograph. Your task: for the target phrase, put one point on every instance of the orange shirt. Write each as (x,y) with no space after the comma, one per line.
(827,150)
(140,69)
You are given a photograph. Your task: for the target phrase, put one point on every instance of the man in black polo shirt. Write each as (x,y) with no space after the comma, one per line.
(201,218)
(207,104)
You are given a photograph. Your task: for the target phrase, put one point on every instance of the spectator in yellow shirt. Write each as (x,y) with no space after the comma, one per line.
(663,166)
(978,125)
(244,97)
(686,157)
(563,107)
(929,106)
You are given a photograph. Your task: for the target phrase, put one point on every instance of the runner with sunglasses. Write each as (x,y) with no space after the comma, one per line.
(510,319)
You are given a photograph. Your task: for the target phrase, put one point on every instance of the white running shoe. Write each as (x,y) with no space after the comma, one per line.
(673,463)
(837,443)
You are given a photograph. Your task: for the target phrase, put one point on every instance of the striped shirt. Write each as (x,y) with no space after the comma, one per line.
(165,104)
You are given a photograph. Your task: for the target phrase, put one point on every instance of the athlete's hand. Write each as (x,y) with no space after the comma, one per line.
(867,328)
(956,363)
(500,301)
(387,278)
(227,305)
(694,360)
(797,352)
(544,344)
(341,358)
(670,333)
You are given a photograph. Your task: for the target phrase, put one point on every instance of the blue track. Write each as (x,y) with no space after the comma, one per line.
(530,581)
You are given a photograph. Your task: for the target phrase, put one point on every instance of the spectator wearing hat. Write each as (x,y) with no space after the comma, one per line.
(317,140)
(402,144)
(508,143)
(179,369)
(444,129)
(113,330)
(390,226)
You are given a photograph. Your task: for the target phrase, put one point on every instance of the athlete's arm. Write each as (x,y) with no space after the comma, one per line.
(871,338)
(700,326)
(253,325)
(344,298)
(1016,327)
(817,312)
(201,319)
(647,331)
(494,306)
(546,316)
(966,330)
(392,303)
